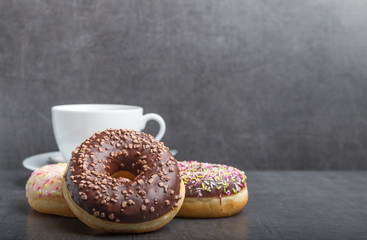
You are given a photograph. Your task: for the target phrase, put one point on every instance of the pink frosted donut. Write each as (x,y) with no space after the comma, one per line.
(44,190)
(212,190)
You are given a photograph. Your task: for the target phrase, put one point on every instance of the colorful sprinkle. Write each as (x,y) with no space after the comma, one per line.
(37,185)
(206,179)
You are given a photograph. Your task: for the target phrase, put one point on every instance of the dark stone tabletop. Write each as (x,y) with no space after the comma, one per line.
(282,205)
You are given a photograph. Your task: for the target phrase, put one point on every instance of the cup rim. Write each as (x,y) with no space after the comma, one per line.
(88,108)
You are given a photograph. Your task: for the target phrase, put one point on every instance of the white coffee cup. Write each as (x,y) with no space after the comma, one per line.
(74,123)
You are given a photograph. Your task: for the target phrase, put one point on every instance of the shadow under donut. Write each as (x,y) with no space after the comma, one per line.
(43,226)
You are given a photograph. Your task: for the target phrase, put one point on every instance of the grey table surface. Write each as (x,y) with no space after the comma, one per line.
(282,205)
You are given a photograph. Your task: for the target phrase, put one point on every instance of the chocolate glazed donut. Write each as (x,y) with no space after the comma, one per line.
(155,190)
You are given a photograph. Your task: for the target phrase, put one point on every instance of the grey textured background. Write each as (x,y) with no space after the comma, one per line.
(255,84)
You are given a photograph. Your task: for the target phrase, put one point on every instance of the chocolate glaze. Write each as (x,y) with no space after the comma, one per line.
(153,192)
(211,180)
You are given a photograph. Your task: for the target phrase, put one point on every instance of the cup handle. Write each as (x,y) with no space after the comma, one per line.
(162,125)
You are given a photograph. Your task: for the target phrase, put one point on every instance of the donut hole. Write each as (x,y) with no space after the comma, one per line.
(124,174)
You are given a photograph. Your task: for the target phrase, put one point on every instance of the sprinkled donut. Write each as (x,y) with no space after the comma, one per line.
(123,181)
(212,190)
(44,190)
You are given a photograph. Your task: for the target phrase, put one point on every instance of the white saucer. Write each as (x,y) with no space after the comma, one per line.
(36,161)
